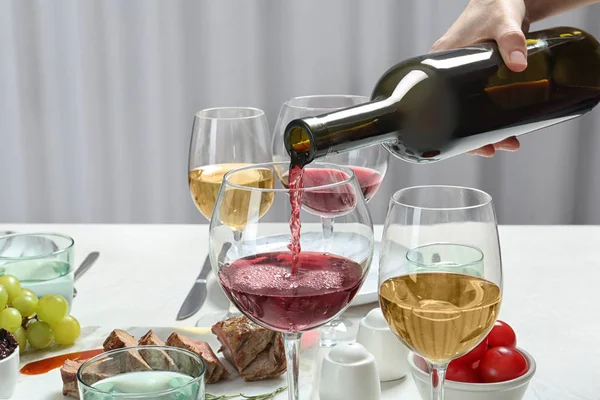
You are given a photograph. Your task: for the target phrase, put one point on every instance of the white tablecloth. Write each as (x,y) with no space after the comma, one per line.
(551,274)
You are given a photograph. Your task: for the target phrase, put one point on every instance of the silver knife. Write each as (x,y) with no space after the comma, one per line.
(86,264)
(197,295)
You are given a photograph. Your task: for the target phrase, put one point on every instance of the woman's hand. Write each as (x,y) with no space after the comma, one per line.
(503,21)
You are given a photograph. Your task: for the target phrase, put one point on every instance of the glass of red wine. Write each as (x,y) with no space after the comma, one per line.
(369,165)
(283,280)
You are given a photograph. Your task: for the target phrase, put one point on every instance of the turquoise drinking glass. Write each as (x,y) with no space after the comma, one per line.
(446,257)
(43,262)
(120,374)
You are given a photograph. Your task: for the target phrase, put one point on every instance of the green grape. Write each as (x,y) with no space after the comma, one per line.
(3,297)
(52,308)
(10,319)
(21,337)
(28,292)
(66,331)
(39,335)
(26,304)
(13,286)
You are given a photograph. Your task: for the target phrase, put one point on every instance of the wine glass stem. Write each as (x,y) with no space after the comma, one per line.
(438,375)
(237,238)
(232,311)
(327,227)
(328,330)
(292,353)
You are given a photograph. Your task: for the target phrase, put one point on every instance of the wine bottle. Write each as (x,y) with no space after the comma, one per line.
(439,105)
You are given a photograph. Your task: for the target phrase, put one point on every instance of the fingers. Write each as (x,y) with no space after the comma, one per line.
(485,151)
(513,47)
(509,144)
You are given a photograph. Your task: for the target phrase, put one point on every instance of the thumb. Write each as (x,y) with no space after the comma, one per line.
(513,48)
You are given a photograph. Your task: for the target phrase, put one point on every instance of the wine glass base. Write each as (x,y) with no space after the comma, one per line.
(209,319)
(335,332)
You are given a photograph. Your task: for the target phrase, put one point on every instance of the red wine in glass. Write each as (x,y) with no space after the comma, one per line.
(328,202)
(265,289)
(368,179)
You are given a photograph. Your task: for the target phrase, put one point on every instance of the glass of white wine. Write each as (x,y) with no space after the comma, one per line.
(226,138)
(440,273)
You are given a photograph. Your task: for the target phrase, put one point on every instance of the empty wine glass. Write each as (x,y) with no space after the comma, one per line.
(369,165)
(224,138)
(264,282)
(440,272)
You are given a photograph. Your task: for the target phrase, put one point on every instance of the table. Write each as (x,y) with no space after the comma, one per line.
(551,273)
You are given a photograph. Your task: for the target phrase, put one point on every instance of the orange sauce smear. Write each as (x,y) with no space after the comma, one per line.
(48,364)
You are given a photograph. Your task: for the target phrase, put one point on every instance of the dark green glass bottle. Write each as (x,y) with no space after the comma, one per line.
(439,105)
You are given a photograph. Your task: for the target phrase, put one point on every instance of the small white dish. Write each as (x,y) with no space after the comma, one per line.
(9,372)
(349,372)
(390,354)
(510,390)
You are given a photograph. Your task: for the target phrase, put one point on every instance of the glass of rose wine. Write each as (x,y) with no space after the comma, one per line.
(283,280)
(225,138)
(440,273)
(369,165)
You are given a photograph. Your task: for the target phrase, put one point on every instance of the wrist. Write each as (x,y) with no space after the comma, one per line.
(536,10)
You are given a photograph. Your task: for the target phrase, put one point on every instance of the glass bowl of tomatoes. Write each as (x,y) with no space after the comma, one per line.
(496,369)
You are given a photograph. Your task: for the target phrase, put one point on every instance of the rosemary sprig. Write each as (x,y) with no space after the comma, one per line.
(266,396)
(209,396)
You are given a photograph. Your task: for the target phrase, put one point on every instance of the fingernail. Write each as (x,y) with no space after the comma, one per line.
(518,57)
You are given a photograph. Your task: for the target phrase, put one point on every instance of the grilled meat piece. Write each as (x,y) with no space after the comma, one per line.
(119,339)
(158,360)
(257,353)
(68,373)
(92,374)
(215,370)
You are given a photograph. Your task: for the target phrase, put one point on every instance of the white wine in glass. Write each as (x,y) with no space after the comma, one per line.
(440,315)
(205,183)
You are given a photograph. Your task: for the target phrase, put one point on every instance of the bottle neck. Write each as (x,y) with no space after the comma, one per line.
(340,131)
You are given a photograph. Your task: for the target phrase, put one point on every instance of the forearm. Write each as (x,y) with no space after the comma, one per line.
(540,9)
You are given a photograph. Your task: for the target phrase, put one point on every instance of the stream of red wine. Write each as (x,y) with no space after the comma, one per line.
(296,183)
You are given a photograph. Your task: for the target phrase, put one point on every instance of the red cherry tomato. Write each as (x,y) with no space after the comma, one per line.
(502,335)
(474,355)
(421,363)
(501,364)
(461,373)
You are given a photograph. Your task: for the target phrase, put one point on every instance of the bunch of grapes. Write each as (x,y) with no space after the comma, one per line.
(39,321)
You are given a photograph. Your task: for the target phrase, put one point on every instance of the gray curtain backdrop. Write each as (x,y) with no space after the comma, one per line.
(97,99)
